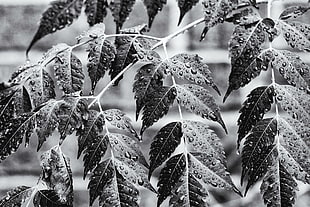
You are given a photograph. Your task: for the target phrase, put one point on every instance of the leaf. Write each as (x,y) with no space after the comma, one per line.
(164,144)
(295,33)
(119,192)
(16,197)
(191,67)
(153,7)
(120,11)
(278,187)
(247,55)
(244,16)
(13,133)
(293,12)
(93,32)
(169,176)
(69,72)
(118,119)
(258,150)
(294,148)
(95,150)
(295,102)
(198,100)
(72,113)
(100,57)
(59,15)
(258,103)
(96,11)
(184,7)
(157,105)
(292,69)
(215,12)
(92,128)
(52,53)
(99,179)
(48,198)
(57,174)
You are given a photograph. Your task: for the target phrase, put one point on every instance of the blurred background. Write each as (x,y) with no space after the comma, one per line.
(19,21)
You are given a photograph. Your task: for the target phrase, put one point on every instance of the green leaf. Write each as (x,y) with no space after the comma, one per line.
(153,7)
(293,12)
(16,197)
(185,6)
(120,11)
(96,11)
(198,100)
(48,198)
(59,15)
(164,143)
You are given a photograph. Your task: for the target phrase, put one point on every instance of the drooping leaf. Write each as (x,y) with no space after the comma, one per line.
(293,12)
(292,68)
(99,179)
(69,72)
(119,192)
(14,132)
(295,102)
(279,187)
(72,113)
(215,12)
(164,143)
(296,34)
(185,6)
(169,176)
(118,119)
(95,150)
(57,174)
(258,151)
(96,11)
(246,52)
(48,198)
(100,57)
(253,110)
(92,128)
(192,68)
(16,197)
(120,11)
(153,7)
(157,105)
(59,15)
(198,100)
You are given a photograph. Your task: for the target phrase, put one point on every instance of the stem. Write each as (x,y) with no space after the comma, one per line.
(134,35)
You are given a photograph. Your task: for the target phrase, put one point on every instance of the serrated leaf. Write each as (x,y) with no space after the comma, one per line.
(253,109)
(293,12)
(96,11)
(157,105)
(57,174)
(198,100)
(215,12)
(120,11)
(90,130)
(247,55)
(244,16)
(164,143)
(100,57)
(95,150)
(69,72)
(292,69)
(48,198)
(59,15)
(296,34)
(192,68)
(153,7)
(278,187)
(185,6)
(16,197)
(169,176)
(118,119)
(14,132)
(295,102)
(258,151)
(99,179)
(119,192)
(210,172)
(72,113)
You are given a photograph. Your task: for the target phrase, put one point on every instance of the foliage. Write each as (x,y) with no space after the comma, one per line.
(187,154)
